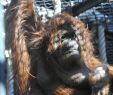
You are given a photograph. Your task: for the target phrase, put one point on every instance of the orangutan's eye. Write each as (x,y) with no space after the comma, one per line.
(68,35)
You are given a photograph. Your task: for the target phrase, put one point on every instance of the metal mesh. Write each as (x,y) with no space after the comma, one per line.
(103,12)
(94,10)
(46,8)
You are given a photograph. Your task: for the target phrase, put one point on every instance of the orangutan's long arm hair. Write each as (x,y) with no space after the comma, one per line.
(21,24)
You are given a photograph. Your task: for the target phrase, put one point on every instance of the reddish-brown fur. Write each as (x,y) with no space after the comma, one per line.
(87,47)
(88,57)
(21,24)
(26,37)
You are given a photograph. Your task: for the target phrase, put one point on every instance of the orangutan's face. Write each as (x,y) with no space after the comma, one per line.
(67,47)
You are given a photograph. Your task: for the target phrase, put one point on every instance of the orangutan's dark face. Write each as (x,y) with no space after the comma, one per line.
(67,47)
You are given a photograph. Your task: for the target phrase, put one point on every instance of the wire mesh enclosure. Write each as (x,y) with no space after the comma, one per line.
(90,11)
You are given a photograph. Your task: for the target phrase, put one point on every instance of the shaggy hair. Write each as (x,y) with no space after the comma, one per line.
(83,36)
(30,40)
(21,24)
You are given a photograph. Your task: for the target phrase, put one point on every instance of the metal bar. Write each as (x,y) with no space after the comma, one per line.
(2,57)
(102,44)
(77,9)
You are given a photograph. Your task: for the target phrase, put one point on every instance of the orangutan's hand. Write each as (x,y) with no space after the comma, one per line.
(99,80)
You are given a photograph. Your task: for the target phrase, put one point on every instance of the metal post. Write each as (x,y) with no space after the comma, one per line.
(102,44)
(10,80)
(2,57)
(57,6)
